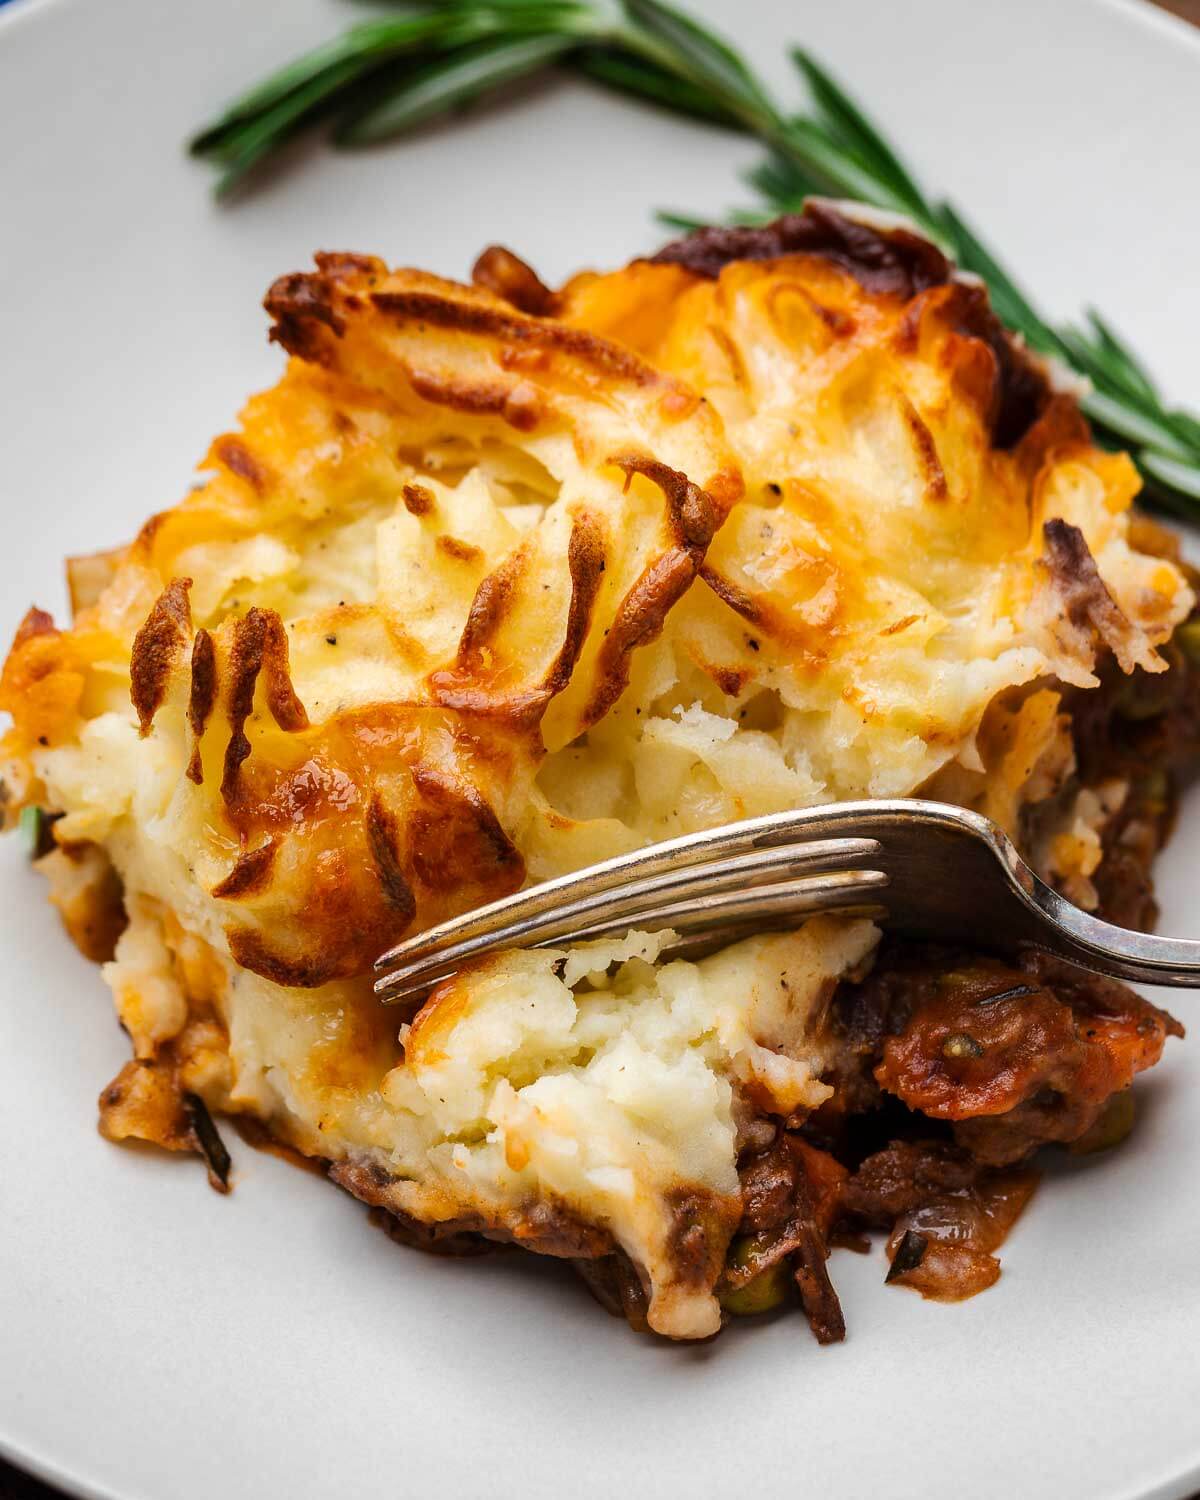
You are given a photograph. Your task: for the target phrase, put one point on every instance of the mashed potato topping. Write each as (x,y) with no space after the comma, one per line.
(480,593)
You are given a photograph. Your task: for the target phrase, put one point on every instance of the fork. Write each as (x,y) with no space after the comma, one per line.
(928,869)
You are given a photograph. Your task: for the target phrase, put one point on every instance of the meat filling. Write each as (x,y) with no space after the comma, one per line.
(1011,1058)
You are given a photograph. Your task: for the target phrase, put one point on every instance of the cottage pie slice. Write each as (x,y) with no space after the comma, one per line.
(497,581)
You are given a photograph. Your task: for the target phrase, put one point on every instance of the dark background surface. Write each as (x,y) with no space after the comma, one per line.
(15,1485)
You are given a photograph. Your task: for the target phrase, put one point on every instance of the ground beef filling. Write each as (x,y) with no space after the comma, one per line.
(1011,1058)
(791,1194)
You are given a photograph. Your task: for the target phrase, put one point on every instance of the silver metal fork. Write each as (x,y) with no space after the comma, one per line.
(928,869)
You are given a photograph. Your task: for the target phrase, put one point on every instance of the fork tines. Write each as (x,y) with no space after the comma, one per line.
(728,881)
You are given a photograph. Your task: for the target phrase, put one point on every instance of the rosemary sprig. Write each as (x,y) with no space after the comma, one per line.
(385,76)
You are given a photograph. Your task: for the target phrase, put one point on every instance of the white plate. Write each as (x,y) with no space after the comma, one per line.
(158,1341)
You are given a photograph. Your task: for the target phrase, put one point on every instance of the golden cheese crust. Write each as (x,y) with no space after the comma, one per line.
(887,565)
(499,580)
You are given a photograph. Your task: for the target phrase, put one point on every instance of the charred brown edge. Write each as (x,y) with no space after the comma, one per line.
(300,305)
(245,662)
(307,307)
(1086,599)
(34,622)
(157,647)
(522,709)
(383,837)
(1060,428)
(286,708)
(892,262)
(251,873)
(202,698)
(458,550)
(638,621)
(460,688)
(693,517)
(586,562)
(302,302)
(518,404)
(444,793)
(489,609)
(464,316)
(936,488)
(1018,390)
(729,593)
(507,276)
(418,500)
(234,453)
(250,950)
(259,644)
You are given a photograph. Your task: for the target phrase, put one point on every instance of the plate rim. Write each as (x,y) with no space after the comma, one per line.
(1176,1484)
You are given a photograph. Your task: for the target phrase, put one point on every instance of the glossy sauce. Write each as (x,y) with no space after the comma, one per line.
(947,1243)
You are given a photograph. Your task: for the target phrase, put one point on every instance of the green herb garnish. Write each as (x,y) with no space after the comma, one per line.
(386,76)
(35,824)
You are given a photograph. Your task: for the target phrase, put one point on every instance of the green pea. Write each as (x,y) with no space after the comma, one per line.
(768,1290)
(1114,1123)
(1152,792)
(1187,638)
(1144,695)
(34,828)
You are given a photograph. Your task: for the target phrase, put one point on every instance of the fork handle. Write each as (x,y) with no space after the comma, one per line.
(1043,919)
(1141,957)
